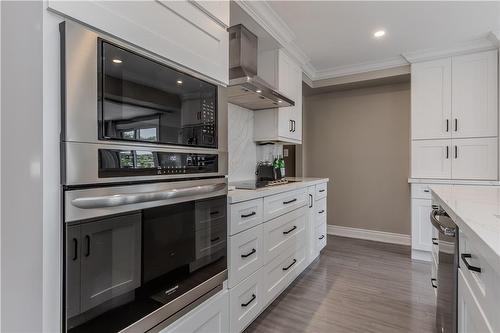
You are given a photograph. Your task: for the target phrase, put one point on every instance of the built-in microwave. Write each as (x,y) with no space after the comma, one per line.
(117,96)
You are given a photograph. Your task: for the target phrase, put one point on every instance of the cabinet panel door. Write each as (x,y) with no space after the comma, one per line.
(431,99)
(111,259)
(73,251)
(475,93)
(475,158)
(421,227)
(431,159)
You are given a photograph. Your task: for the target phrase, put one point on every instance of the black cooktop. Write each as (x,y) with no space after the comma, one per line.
(255,184)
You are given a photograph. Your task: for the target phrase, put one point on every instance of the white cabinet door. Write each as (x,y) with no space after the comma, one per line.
(475,158)
(246,301)
(421,227)
(431,159)
(290,84)
(431,99)
(471,318)
(474,95)
(210,317)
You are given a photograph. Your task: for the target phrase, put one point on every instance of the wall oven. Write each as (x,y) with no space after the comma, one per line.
(144,165)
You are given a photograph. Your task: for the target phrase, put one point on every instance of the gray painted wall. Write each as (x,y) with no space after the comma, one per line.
(21,154)
(360,138)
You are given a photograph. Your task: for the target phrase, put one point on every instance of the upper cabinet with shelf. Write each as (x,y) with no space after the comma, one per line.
(280,124)
(454,117)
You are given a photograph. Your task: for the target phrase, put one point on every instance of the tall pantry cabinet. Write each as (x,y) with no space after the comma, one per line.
(454,128)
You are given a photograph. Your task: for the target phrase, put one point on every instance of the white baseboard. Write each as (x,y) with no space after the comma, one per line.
(378,236)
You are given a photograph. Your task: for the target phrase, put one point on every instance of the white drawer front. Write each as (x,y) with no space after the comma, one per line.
(320,211)
(280,272)
(321,191)
(246,301)
(321,236)
(282,231)
(245,215)
(484,284)
(245,254)
(420,191)
(279,204)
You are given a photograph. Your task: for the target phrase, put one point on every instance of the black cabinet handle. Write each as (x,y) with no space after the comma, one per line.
(215,239)
(434,241)
(291,125)
(214,213)
(288,267)
(289,231)
(294,127)
(456,151)
(322,236)
(248,215)
(75,244)
(426,191)
(87,238)
(432,283)
(249,253)
(250,301)
(447,152)
(310,200)
(464,257)
(447,125)
(456,124)
(321,211)
(289,202)
(323,190)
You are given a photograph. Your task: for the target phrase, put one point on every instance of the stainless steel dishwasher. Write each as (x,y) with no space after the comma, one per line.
(446,279)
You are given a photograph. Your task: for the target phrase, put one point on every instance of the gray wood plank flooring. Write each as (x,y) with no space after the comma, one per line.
(355,286)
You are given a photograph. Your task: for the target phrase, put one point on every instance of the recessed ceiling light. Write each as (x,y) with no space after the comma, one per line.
(179,82)
(379,34)
(258,91)
(280,101)
(117,61)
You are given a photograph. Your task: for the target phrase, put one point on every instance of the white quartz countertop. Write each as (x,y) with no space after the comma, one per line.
(238,195)
(476,211)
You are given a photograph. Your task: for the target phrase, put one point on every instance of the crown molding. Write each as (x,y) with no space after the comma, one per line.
(359,68)
(494,37)
(477,45)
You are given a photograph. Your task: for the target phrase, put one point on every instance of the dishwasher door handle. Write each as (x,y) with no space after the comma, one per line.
(447,231)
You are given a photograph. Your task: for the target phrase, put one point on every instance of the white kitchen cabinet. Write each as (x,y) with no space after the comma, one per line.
(188,33)
(421,229)
(281,124)
(246,301)
(431,159)
(281,203)
(475,158)
(475,95)
(210,317)
(431,99)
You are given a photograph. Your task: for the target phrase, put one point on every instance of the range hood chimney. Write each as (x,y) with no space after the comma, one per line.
(246,89)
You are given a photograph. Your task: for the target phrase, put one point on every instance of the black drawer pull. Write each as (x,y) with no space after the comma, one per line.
(75,242)
(432,283)
(250,301)
(215,239)
(323,190)
(289,202)
(426,191)
(249,253)
(322,236)
(248,215)
(87,238)
(434,241)
(464,257)
(310,201)
(321,211)
(289,231)
(289,266)
(214,213)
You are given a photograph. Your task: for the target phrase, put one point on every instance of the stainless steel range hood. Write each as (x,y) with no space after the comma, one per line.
(245,88)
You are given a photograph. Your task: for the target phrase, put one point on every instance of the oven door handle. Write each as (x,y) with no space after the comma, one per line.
(447,231)
(134,198)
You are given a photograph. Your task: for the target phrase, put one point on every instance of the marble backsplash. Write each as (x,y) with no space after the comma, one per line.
(244,153)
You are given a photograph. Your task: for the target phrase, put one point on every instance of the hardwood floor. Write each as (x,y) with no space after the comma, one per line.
(355,286)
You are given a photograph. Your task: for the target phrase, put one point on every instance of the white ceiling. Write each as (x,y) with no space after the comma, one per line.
(336,36)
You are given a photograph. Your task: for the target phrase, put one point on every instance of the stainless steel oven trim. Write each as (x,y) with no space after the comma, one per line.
(190,190)
(166,315)
(81,163)
(79,74)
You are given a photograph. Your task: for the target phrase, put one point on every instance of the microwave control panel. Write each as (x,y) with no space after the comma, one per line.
(129,163)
